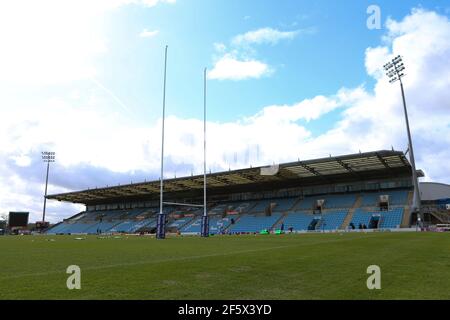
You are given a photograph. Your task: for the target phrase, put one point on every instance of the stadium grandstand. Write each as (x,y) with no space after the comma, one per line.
(370,190)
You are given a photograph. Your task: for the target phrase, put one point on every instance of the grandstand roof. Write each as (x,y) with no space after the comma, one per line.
(360,166)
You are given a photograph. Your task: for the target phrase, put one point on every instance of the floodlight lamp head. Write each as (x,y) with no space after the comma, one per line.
(393,80)
(48,156)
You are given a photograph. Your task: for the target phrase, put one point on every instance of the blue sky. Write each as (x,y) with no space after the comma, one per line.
(320,62)
(287,79)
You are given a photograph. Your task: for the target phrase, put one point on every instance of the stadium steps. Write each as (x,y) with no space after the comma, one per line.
(187,225)
(442,216)
(312,224)
(296,202)
(407,212)
(189,221)
(406,217)
(54,226)
(319,224)
(250,208)
(349,216)
(238,217)
(278,223)
(283,205)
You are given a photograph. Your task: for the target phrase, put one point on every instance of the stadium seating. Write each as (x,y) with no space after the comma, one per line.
(104,222)
(396,197)
(332,220)
(254,223)
(194,226)
(260,207)
(283,204)
(392,218)
(219,209)
(180,222)
(298,220)
(124,226)
(100,227)
(241,206)
(133,213)
(218,224)
(69,227)
(331,201)
(315,224)
(388,219)
(249,215)
(133,226)
(59,228)
(303,220)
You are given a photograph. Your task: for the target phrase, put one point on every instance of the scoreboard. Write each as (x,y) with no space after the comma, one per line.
(18,219)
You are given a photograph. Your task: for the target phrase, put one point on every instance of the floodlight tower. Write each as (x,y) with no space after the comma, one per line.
(47,156)
(394,70)
(161,221)
(205,220)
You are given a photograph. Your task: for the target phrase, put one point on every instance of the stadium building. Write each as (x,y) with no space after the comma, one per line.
(371,190)
(436,204)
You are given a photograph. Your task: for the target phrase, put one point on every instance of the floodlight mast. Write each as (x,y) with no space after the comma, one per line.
(205,220)
(395,72)
(47,156)
(161,222)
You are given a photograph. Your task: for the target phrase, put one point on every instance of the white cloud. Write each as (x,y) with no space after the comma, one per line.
(92,136)
(152,3)
(220,47)
(148,34)
(237,63)
(311,109)
(264,35)
(231,68)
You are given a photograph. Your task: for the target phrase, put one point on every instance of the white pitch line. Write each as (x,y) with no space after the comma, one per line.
(127,264)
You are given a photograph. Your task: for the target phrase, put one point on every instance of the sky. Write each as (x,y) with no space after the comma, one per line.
(286,80)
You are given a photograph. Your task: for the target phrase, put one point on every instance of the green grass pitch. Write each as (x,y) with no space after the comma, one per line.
(304,266)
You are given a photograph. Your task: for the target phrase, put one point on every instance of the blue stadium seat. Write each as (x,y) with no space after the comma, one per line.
(254,223)
(388,219)
(332,220)
(298,220)
(250,216)
(331,201)
(284,204)
(396,197)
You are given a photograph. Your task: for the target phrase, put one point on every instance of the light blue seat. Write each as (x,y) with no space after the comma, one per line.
(333,220)
(180,222)
(254,223)
(331,201)
(284,204)
(298,220)
(194,226)
(388,219)
(396,197)
(218,224)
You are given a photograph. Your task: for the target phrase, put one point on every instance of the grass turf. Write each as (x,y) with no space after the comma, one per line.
(307,266)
